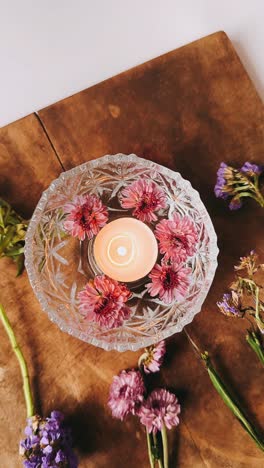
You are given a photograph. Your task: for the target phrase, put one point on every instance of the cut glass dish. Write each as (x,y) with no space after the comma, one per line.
(60,265)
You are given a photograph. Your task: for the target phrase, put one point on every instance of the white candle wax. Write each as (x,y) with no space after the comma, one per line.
(125,249)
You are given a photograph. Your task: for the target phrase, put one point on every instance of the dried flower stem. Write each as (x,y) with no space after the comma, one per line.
(150,454)
(157,449)
(230,402)
(165,447)
(21,360)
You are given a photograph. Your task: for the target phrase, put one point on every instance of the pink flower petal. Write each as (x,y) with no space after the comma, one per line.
(177,237)
(103,301)
(146,197)
(86,215)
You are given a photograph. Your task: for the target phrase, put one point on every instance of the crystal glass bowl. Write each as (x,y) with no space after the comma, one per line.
(60,265)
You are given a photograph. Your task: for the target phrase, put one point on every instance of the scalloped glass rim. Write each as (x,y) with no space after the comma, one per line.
(33,273)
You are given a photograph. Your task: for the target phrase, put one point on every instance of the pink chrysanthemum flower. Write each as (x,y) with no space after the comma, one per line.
(169,282)
(160,409)
(86,216)
(126,393)
(177,237)
(152,358)
(145,197)
(103,301)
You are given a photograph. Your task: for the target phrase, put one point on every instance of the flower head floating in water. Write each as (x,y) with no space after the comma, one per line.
(177,237)
(103,301)
(169,281)
(145,197)
(86,215)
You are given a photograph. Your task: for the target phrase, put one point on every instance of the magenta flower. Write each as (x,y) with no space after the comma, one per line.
(86,215)
(177,237)
(169,282)
(103,301)
(126,393)
(145,197)
(153,357)
(160,409)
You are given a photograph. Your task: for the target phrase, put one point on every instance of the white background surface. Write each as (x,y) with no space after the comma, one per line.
(51,49)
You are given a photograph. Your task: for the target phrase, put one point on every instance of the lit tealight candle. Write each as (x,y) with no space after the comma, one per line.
(125,249)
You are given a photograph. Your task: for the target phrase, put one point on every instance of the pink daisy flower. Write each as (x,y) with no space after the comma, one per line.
(160,409)
(86,216)
(169,282)
(126,393)
(103,301)
(153,357)
(145,197)
(177,237)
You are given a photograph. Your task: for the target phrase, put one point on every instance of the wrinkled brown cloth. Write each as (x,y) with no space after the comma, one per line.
(188,110)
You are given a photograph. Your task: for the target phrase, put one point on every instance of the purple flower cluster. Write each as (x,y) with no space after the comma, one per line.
(48,443)
(251,169)
(238,183)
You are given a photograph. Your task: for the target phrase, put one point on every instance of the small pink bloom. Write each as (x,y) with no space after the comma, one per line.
(145,197)
(103,301)
(177,237)
(126,393)
(169,282)
(160,409)
(153,357)
(86,216)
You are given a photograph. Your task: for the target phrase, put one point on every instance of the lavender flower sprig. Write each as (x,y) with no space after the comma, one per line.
(48,441)
(236,184)
(244,300)
(12,235)
(226,396)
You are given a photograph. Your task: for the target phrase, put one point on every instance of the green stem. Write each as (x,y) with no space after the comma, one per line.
(151,458)
(255,345)
(257,303)
(155,439)
(260,197)
(21,360)
(165,447)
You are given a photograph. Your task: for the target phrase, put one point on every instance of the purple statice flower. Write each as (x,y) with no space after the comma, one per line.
(251,169)
(160,409)
(48,443)
(230,305)
(240,183)
(126,393)
(220,187)
(235,203)
(153,357)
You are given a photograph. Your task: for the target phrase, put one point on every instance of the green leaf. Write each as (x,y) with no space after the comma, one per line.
(255,344)
(20,264)
(232,404)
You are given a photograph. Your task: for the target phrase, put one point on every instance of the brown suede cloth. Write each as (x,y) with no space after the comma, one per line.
(188,110)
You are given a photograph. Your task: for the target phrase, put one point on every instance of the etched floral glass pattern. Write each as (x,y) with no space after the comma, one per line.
(59,265)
